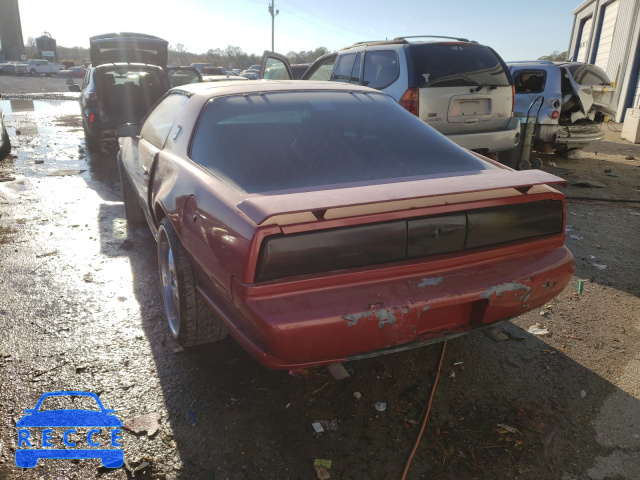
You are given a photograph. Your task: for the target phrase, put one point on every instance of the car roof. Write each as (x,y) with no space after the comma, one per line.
(232,87)
(409,40)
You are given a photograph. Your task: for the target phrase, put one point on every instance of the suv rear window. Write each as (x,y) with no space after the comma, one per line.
(456,65)
(286,140)
(529,81)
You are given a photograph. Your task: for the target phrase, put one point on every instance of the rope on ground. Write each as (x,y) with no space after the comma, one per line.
(426,415)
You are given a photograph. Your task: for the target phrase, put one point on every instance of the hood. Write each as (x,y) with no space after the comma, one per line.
(129,48)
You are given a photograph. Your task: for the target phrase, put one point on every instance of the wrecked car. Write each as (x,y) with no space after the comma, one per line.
(128,75)
(576,97)
(319,222)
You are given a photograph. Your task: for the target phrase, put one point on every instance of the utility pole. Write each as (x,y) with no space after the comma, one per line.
(273,13)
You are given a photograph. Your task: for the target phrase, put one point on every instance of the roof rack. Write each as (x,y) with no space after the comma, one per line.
(436,36)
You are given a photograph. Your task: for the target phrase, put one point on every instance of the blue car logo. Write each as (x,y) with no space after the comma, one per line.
(30,450)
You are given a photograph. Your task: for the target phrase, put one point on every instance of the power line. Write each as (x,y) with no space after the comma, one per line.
(323,19)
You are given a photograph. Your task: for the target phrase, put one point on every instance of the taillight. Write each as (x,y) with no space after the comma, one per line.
(350,247)
(410,100)
(555,114)
(91,118)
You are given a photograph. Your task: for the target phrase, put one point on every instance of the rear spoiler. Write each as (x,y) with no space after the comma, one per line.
(261,207)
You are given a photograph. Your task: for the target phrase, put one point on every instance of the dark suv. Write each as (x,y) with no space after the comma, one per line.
(128,75)
(459,87)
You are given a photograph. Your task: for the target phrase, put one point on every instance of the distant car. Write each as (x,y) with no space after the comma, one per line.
(9,68)
(250,74)
(78,72)
(128,75)
(213,71)
(461,88)
(5,144)
(319,222)
(28,457)
(200,66)
(576,97)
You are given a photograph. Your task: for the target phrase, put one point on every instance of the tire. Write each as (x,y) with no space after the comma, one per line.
(6,145)
(190,320)
(32,72)
(524,164)
(133,211)
(536,162)
(93,144)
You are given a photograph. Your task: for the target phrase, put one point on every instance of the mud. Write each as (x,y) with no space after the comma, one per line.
(81,309)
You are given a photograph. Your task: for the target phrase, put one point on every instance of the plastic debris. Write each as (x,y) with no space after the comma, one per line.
(322,473)
(575,237)
(380,406)
(583,394)
(320,462)
(539,330)
(358,395)
(337,371)
(317,427)
(580,286)
(552,164)
(143,423)
(508,428)
(599,266)
(326,424)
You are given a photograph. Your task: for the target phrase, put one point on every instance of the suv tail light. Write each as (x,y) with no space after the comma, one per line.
(358,246)
(555,114)
(410,100)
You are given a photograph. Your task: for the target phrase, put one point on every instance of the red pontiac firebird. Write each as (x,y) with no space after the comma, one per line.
(321,222)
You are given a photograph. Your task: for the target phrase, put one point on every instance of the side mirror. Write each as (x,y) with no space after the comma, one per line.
(74,88)
(128,130)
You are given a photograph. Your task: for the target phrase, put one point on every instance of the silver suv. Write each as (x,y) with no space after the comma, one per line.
(459,87)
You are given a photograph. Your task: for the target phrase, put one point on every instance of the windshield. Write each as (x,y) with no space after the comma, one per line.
(286,140)
(457,65)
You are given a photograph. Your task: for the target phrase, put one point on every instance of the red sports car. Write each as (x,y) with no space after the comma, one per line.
(321,222)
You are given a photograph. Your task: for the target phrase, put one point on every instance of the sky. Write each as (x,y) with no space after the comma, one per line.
(517,30)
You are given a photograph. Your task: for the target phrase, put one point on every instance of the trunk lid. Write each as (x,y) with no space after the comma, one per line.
(128,48)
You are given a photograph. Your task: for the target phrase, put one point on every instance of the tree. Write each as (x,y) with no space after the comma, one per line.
(555,56)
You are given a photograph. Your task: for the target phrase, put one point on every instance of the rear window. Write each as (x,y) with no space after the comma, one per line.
(588,75)
(289,140)
(529,81)
(456,65)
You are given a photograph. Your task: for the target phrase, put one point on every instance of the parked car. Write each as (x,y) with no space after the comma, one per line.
(319,222)
(74,72)
(200,66)
(249,74)
(5,144)
(576,97)
(460,88)
(126,79)
(213,71)
(9,68)
(43,67)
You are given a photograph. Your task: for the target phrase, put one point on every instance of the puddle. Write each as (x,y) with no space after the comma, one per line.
(46,107)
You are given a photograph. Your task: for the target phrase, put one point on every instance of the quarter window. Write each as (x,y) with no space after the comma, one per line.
(344,66)
(158,125)
(380,68)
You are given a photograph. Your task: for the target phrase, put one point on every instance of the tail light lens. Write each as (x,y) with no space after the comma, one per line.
(409,100)
(555,114)
(349,247)
(91,118)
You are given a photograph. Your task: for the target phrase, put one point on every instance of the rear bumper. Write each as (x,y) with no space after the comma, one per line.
(303,324)
(492,141)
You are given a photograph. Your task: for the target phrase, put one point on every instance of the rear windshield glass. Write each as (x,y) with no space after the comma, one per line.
(457,65)
(529,81)
(287,140)
(589,75)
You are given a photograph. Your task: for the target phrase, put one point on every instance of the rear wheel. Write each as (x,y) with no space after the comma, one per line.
(524,164)
(190,319)
(93,143)
(536,162)
(32,72)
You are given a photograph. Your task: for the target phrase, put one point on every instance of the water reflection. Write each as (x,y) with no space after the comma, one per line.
(46,107)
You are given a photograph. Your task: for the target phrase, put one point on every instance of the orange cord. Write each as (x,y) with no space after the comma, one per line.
(426,415)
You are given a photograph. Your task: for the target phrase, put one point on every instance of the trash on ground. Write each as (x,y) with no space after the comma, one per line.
(337,371)
(65,173)
(552,164)
(455,364)
(317,427)
(321,462)
(381,406)
(507,428)
(629,157)
(358,395)
(635,214)
(568,228)
(326,425)
(608,170)
(613,175)
(580,286)
(599,266)
(576,237)
(539,330)
(543,313)
(143,423)
(322,473)
(39,162)
(583,394)
(580,182)
(574,154)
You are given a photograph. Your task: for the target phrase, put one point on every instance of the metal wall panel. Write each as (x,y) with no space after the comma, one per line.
(605,37)
(583,44)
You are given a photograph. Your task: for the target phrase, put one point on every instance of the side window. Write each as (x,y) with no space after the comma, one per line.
(156,128)
(344,66)
(529,81)
(380,68)
(321,71)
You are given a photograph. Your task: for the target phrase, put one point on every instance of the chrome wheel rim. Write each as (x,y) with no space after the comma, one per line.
(169,280)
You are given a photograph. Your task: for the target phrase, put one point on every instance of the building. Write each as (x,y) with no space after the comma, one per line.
(11,41)
(605,33)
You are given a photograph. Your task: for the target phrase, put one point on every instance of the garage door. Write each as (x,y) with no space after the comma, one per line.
(606,34)
(581,56)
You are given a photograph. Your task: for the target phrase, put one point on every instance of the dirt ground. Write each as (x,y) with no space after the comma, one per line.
(80,307)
